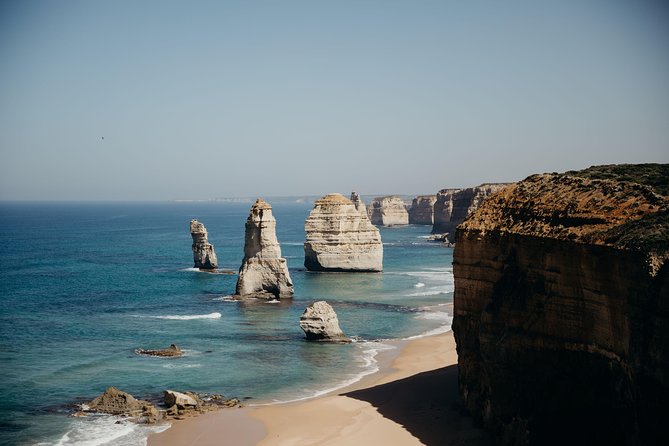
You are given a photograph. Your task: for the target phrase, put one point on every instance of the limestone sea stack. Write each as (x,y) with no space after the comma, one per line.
(562,308)
(263,273)
(204,256)
(320,323)
(359,204)
(422,210)
(454,205)
(388,211)
(340,238)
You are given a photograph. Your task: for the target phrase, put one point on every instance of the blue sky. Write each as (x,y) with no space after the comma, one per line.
(261,98)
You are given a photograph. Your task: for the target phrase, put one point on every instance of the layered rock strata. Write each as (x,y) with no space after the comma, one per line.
(263,273)
(320,323)
(204,256)
(388,211)
(421,211)
(454,205)
(340,238)
(562,309)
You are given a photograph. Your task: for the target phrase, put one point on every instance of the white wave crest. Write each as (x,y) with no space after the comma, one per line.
(227,298)
(419,285)
(98,430)
(435,316)
(433,291)
(181,366)
(192,270)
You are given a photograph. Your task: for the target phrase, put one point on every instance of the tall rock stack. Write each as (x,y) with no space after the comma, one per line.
(454,205)
(422,210)
(359,204)
(263,273)
(340,238)
(562,308)
(204,256)
(388,211)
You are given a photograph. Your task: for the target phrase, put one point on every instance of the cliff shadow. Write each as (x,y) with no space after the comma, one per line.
(427,405)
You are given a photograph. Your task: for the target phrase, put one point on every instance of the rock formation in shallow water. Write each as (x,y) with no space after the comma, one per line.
(204,256)
(264,273)
(454,205)
(422,210)
(116,402)
(562,308)
(340,238)
(388,211)
(173,351)
(319,323)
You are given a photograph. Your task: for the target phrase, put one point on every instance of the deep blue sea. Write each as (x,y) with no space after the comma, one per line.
(84,284)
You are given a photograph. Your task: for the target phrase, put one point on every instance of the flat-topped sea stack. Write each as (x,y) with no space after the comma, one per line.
(562,308)
(341,238)
(264,273)
(204,256)
(421,211)
(388,211)
(454,205)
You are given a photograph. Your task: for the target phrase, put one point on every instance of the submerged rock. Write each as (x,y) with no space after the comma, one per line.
(341,238)
(562,308)
(170,352)
(388,211)
(319,323)
(204,256)
(422,210)
(263,273)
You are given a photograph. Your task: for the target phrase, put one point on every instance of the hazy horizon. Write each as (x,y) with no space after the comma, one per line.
(161,100)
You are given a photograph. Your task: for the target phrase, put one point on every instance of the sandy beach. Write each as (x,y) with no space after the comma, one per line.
(411,400)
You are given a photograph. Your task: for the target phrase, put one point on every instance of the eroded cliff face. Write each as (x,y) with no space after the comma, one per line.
(204,256)
(388,211)
(454,205)
(263,273)
(562,312)
(422,210)
(341,238)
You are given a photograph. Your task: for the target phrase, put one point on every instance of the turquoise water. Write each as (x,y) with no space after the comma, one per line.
(84,284)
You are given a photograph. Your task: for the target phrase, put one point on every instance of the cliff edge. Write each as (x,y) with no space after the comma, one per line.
(562,308)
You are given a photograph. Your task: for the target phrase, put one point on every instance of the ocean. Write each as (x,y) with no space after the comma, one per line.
(84,284)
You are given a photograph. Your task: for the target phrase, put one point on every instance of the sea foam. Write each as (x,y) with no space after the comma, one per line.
(179,317)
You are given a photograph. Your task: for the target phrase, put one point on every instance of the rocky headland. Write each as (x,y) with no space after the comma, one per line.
(421,211)
(340,238)
(263,273)
(204,256)
(452,206)
(562,308)
(388,211)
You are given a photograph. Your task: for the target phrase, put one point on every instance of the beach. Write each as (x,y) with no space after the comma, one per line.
(411,400)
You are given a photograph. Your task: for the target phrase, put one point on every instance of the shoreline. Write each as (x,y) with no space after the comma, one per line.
(411,400)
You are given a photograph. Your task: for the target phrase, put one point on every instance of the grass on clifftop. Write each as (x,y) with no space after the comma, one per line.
(656,176)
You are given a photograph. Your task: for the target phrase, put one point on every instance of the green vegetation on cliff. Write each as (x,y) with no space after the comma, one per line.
(655,176)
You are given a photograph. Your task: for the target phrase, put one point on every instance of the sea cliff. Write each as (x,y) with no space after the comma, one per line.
(422,210)
(388,211)
(454,205)
(562,308)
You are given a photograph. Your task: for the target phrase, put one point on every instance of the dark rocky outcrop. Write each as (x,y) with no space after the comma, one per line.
(173,351)
(421,211)
(562,308)
(204,256)
(320,323)
(454,205)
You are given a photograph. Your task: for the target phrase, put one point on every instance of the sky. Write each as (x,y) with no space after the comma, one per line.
(161,100)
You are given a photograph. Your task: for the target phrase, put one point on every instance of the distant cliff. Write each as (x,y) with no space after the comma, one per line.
(388,211)
(421,211)
(454,205)
(562,308)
